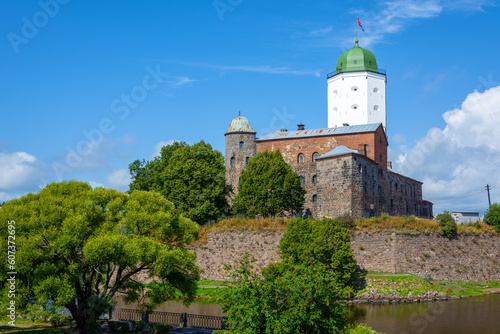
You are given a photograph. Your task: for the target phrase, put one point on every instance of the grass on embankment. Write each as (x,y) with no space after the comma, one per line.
(401,285)
(384,223)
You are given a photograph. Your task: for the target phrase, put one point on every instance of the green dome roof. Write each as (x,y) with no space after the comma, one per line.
(357,59)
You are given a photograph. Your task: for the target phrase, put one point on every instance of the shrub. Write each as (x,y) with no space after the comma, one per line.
(409,219)
(492,216)
(125,327)
(345,221)
(362,329)
(113,326)
(60,320)
(162,328)
(139,325)
(447,223)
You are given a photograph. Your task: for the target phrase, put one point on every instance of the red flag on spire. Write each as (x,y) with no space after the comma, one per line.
(359,23)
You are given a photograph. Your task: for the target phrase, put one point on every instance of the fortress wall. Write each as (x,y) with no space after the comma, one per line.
(467,258)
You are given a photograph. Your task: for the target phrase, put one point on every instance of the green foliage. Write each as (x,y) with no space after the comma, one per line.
(269,187)
(447,223)
(305,299)
(75,243)
(492,216)
(139,325)
(60,320)
(113,326)
(191,177)
(324,242)
(345,221)
(162,328)
(362,329)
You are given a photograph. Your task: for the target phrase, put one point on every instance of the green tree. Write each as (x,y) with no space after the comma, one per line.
(303,300)
(447,223)
(191,177)
(319,242)
(492,216)
(79,247)
(268,187)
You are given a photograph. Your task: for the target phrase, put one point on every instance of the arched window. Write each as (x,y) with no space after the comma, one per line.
(315,156)
(233,161)
(315,198)
(314,179)
(375,90)
(242,144)
(376,108)
(300,158)
(354,89)
(302,179)
(246,161)
(335,92)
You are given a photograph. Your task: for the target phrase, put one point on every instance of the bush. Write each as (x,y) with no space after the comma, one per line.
(345,221)
(113,326)
(162,328)
(125,327)
(139,325)
(493,215)
(447,223)
(362,329)
(223,331)
(60,320)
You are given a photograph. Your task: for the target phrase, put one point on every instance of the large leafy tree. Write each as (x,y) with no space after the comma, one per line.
(190,176)
(305,299)
(268,187)
(78,247)
(493,215)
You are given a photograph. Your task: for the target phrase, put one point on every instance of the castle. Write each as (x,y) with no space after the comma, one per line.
(344,167)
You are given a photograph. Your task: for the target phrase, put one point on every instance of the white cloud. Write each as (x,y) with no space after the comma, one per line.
(18,171)
(119,178)
(456,163)
(160,145)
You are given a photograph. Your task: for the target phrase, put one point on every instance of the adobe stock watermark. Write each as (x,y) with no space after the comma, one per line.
(280,120)
(31,26)
(223,6)
(122,107)
(421,322)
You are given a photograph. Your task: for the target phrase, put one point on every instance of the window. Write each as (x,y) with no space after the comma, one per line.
(300,158)
(314,179)
(335,109)
(233,161)
(355,62)
(335,92)
(375,90)
(302,179)
(376,108)
(354,106)
(242,144)
(380,158)
(370,62)
(246,161)
(315,156)
(354,89)
(315,198)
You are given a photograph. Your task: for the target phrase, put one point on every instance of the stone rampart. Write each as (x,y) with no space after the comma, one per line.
(466,258)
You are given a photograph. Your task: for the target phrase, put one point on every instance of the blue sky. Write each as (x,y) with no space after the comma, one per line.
(88,87)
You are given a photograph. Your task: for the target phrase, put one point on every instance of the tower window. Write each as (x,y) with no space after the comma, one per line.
(354,106)
(242,144)
(300,158)
(370,62)
(375,90)
(354,89)
(376,108)
(315,156)
(233,161)
(246,161)
(355,62)
(340,64)
(315,198)
(302,179)
(314,179)
(335,92)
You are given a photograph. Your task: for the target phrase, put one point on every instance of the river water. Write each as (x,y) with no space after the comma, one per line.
(479,315)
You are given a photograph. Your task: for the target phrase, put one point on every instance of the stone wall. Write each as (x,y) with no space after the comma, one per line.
(467,258)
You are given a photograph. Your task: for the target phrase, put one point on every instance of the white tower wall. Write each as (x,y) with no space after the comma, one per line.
(357,98)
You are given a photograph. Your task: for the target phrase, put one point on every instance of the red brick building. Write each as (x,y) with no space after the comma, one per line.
(343,168)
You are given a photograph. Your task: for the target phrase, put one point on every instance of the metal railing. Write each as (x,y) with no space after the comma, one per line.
(190,320)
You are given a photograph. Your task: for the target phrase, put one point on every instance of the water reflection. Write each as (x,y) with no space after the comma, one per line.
(475,315)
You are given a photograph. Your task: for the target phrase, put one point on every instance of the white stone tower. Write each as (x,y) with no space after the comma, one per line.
(356,90)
